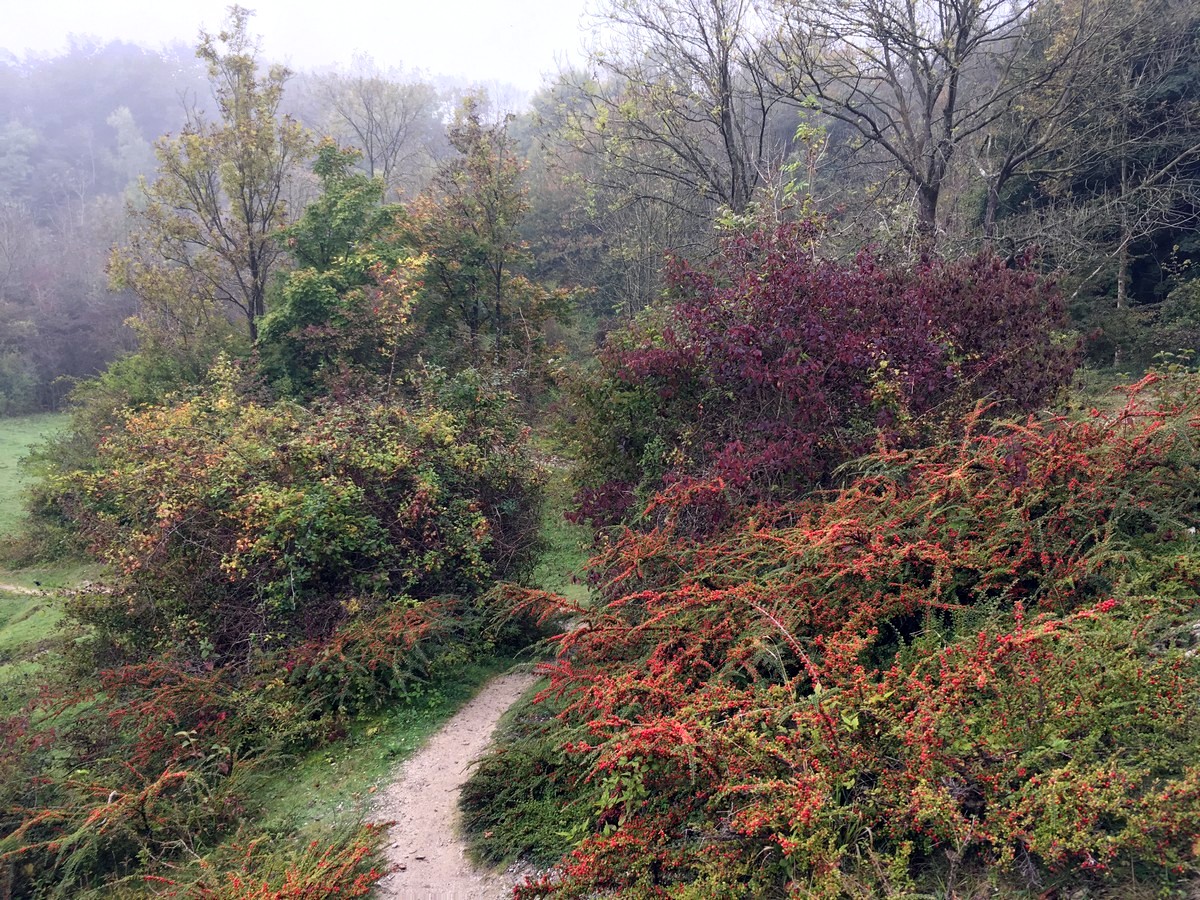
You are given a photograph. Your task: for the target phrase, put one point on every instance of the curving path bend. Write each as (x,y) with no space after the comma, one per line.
(424,848)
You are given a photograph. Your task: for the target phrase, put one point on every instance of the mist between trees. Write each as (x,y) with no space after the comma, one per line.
(929,127)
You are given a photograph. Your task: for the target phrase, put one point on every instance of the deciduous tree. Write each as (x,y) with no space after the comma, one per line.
(207,238)
(344,314)
(683,96)
(467,226)
(920,81)
(395,123)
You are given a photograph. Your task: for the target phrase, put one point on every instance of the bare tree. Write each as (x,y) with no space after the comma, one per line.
(392,121)
(1054,66)
(922,79)
(680,95)
(1133,165)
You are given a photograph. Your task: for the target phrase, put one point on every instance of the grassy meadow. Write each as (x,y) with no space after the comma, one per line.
(29,614)
(17,435)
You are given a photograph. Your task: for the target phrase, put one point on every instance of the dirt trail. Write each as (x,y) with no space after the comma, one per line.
(424,844)
(18,589)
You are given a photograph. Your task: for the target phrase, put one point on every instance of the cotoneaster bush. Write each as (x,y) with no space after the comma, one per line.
(347,867)
(978,660)
(771,367)
(159,761)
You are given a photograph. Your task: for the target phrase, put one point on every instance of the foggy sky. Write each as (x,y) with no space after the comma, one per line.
(489,41)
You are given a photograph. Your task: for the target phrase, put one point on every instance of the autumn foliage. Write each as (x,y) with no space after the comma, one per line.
(159,761)
(977,660)
(772,366)
(277,570)
(256,870)
(238,526)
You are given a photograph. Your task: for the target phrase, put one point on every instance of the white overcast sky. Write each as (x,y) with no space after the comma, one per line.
(491,41)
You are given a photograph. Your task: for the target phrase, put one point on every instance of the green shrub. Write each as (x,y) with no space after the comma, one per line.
(238,525)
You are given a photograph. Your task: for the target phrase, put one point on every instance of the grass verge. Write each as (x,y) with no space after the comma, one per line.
(332,787)
(17,435)
(521,801)
(560,568)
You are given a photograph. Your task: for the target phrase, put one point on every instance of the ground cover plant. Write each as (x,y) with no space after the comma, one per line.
(772,366)
(164,761)
(973,663)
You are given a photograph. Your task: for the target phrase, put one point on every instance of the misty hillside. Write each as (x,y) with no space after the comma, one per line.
(799,403)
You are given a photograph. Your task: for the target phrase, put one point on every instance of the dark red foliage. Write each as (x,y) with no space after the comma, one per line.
(773,367)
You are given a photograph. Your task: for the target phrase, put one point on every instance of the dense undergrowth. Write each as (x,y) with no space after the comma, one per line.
(973,665)
(854,629)
(296,524)
(162,763)
(772,366)
(277,572)
(239,526)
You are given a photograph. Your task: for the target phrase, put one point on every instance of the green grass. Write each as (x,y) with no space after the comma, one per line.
(17,435)
(26,619)
(560,569)
(521,801)
(29,623)
(28,626)
(67,573)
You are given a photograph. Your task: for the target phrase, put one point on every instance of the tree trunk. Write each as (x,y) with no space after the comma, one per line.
(989,211)
(473,324)
(498,305)
(927,203)
(1123,248)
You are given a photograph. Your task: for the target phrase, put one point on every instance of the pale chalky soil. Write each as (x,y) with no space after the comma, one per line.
(425,844)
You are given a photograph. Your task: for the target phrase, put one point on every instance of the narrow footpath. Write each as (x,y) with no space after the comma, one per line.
(6,588)
(425,845)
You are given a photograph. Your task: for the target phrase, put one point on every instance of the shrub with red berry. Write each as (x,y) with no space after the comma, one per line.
(976,660)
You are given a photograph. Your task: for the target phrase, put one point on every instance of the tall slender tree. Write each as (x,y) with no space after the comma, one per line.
(468,226)
(206,240)
(478,298)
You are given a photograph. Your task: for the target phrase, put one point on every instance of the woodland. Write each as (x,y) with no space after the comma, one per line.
(806,393)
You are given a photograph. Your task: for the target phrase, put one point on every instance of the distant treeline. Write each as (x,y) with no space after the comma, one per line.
(936,127)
